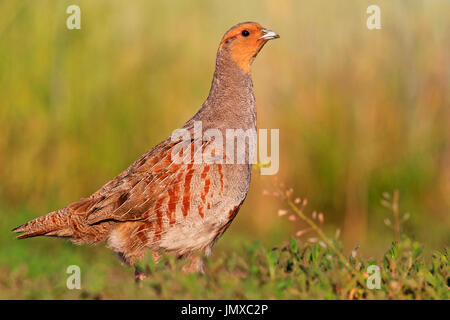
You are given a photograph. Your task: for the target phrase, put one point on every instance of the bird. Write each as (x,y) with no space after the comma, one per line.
(159,205)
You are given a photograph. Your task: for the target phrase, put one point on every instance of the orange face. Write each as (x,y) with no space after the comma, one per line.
(245,41)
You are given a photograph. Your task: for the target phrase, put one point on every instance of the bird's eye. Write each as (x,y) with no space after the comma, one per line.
(245,33)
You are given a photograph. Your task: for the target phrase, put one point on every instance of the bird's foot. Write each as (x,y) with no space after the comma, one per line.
(138,275)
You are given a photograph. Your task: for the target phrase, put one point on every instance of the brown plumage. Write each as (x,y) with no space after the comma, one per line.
(158,204)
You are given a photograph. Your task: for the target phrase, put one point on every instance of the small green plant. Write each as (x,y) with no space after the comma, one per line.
(404,274)
(297,205)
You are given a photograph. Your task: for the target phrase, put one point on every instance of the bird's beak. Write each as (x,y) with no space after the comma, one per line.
(269,35)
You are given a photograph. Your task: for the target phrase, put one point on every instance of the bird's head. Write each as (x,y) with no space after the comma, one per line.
(244,41)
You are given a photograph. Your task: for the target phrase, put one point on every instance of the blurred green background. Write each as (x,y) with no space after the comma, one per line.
(360,112)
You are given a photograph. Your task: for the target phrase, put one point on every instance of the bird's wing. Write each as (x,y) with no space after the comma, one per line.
(132,195)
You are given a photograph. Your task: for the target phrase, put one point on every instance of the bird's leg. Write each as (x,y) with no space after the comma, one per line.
(196,264)
(156,256)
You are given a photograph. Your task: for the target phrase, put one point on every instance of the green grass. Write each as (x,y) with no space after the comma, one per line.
(251,271)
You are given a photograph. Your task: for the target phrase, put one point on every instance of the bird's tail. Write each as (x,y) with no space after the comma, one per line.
(51,224)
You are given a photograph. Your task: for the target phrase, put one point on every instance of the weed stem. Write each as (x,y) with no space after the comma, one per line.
(319,231)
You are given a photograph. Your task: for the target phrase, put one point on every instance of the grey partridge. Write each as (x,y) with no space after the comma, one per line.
(161,205)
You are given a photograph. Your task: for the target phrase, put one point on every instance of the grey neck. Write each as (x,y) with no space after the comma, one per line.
(228,77)
(230,102)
